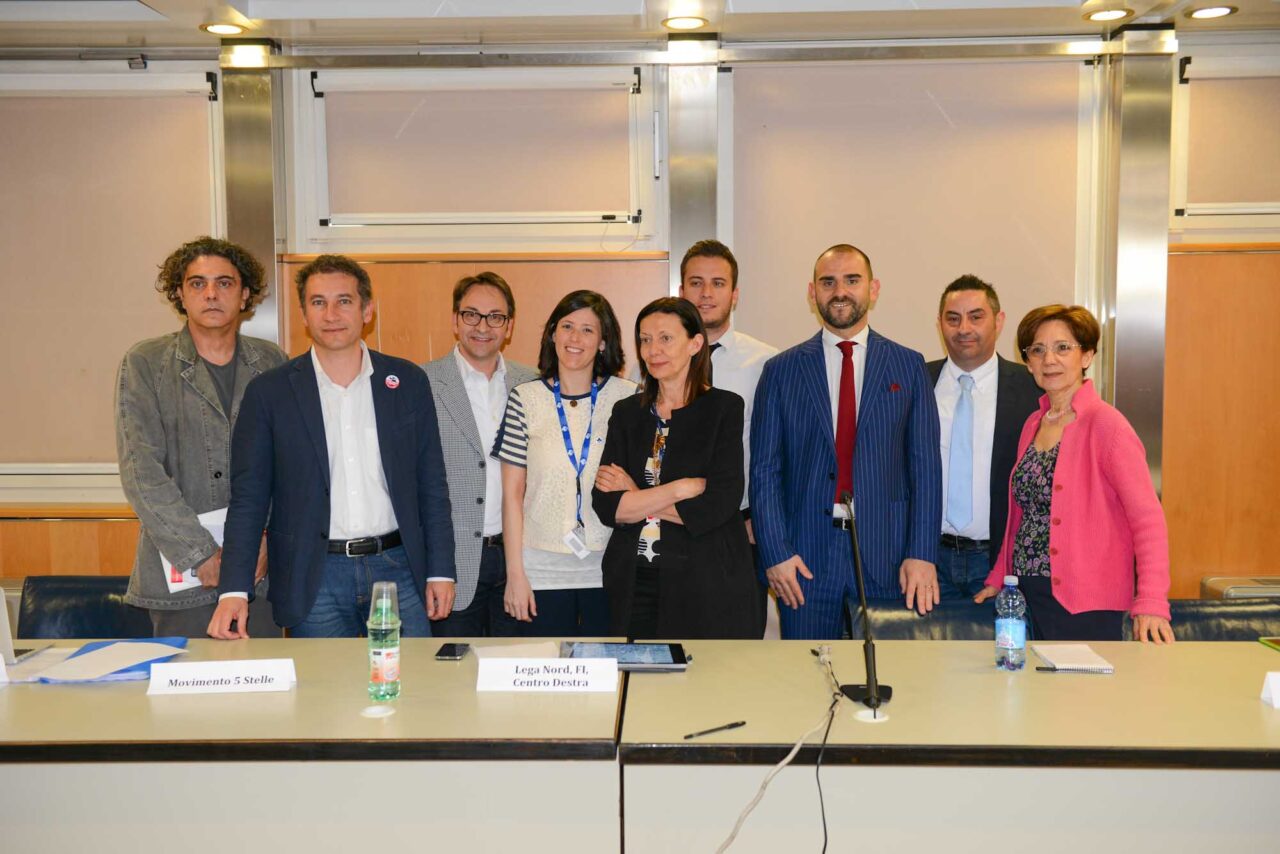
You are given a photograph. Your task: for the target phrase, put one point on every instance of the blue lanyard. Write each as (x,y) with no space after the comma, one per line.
(579,463)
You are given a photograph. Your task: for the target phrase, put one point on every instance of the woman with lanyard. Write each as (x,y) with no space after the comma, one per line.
(549,443)
(670,483)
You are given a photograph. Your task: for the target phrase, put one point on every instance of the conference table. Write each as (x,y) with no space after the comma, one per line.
(1173,752)
(108,768)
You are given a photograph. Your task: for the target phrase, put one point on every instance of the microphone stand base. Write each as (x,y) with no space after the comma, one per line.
(862,694)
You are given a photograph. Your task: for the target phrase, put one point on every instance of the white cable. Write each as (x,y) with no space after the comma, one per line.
(786,760)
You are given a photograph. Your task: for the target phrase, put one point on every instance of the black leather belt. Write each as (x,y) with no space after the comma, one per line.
(964,544)
(364,545)
(842,524)
(494,541)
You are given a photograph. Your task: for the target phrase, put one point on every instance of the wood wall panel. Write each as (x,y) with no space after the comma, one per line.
(67,547)
(413,305)
(1222,398)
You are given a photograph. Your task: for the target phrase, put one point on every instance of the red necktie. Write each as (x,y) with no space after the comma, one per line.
(846,423)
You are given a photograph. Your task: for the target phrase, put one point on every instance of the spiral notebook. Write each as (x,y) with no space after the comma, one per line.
(1072,658)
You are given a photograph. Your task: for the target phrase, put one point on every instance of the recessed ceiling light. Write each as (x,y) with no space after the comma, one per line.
(1108,15)
(223,29)
(686,22)
(1210,12)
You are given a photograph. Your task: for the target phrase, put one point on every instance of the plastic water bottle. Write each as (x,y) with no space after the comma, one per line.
(384,642)
(1011,626)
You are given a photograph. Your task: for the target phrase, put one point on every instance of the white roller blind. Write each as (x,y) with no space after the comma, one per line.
(935,170)
(94,193)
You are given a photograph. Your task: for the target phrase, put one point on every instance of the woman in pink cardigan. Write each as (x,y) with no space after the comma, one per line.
(1082,510)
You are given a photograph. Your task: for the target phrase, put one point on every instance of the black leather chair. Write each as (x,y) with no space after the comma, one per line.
(79,606)
(952,620)
(1193,620)
(1225,619)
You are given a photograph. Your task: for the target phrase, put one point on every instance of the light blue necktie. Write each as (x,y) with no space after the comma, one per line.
(960,465)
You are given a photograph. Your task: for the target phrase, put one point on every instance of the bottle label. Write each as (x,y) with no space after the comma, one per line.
(1011,633)
(384,665)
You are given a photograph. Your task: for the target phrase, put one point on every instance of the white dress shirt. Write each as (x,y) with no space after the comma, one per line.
(736,366)
(947,392)
(488,398)
(834,360)
(359,503)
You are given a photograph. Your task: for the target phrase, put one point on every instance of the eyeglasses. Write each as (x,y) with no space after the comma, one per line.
(495,319)
(1059,348)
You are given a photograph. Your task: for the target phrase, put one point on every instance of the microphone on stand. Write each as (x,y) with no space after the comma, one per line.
(871,694)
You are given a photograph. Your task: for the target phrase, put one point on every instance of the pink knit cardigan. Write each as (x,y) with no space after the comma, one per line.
(1104,513)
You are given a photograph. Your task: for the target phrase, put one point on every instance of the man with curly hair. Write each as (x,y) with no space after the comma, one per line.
(177,398)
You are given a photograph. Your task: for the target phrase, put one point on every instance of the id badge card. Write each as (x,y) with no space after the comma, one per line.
(576,540)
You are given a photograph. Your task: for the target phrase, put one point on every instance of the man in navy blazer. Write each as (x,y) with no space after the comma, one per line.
(796,478)
(1002,395)
(341,448)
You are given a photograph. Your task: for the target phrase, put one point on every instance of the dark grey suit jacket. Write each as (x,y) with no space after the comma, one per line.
(465,463)
(1017,396)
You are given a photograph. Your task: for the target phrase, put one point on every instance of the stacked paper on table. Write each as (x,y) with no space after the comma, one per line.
(114,661)
(1072,658)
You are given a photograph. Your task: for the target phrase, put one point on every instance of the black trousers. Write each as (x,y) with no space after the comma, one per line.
(1051,621)
(485,616)
(644,603)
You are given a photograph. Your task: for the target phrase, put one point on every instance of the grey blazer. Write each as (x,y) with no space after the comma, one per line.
(465,462)
(173,442)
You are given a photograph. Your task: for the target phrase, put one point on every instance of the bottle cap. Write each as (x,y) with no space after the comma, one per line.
(1011,581)
(385,606)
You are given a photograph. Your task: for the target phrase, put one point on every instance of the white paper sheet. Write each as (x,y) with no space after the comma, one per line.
(179,578)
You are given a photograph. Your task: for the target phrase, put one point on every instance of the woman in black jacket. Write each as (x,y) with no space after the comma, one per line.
(678,564)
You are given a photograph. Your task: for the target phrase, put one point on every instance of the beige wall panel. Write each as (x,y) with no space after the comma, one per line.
(94,193)
(413,318)
(934,169)
(1222,395)
(1233,149)
(451,152)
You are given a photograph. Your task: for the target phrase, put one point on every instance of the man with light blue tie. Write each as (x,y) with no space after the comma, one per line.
(846,412)
(983,401)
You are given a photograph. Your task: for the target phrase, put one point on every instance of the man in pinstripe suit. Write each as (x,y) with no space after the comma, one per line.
(470,384)
(874,398)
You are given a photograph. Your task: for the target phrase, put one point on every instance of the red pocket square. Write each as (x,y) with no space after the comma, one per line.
(894,387)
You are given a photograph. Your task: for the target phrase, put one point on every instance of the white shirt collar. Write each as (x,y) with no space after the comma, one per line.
(727,339)
(984,371)
(366,368)
(831,340)
(469,370)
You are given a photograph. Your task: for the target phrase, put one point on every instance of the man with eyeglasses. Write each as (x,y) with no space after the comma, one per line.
(470,384)
(177,398)
(983,401)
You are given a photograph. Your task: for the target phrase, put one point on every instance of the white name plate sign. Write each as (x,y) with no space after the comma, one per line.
(1271,689)
(223,677)
(547,674)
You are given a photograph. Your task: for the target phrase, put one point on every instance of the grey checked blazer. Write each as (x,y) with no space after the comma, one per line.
(465,461)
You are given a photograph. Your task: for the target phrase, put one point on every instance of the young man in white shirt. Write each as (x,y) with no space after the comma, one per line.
(470,384)
(709,280)
(341,446)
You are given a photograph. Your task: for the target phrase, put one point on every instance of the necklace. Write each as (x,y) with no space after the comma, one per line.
(573,403)
(1051,416)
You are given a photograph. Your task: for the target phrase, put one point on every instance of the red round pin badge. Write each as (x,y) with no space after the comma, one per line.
(393,381)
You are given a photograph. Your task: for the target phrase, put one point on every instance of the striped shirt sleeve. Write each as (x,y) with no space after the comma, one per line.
(511,445)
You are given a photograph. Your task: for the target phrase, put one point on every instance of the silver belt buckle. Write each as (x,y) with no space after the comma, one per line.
(347,548)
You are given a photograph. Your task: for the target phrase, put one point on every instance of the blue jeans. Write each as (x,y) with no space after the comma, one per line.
(341,609)
(961,572)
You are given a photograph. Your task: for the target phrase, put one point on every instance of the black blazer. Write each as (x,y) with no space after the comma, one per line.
(280,463)
(707,584)
(1017,396)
